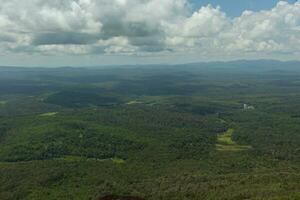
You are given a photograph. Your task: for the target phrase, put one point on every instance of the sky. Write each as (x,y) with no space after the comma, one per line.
(235,8)
(109,32)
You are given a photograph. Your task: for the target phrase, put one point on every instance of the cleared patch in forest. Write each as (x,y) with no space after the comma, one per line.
(133,102)
(225,143)
(118,161)
(49,114)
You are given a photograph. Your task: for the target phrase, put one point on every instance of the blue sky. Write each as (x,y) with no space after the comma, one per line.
(234,8)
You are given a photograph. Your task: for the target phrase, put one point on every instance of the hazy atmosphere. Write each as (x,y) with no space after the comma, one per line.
(149,100)
(99,32)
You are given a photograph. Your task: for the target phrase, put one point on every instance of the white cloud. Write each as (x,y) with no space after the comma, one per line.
(210,31)
(144,26)
(274,30)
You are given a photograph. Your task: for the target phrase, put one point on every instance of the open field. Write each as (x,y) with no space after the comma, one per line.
(50,114)
(225,142)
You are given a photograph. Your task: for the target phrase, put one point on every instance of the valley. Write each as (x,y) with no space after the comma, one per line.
(150,132)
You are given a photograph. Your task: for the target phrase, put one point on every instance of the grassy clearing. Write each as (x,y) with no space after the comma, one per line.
(49,114)
(225,138)
(221,147)
(118,161)
(133,102)
(2,103)
(225,143)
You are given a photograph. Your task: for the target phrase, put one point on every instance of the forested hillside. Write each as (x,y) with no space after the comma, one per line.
(195,131)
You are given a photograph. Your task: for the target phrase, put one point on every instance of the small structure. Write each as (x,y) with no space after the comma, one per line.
(248,107)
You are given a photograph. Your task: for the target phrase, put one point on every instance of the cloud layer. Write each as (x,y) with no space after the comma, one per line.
(144,27)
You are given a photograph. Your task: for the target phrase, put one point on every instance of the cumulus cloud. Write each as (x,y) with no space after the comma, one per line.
(210,30)
(274,30)
(144,26)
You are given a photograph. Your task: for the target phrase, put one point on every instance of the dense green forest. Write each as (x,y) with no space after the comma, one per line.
(223,130)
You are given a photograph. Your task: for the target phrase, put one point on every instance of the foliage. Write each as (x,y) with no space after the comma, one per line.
(149,132)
